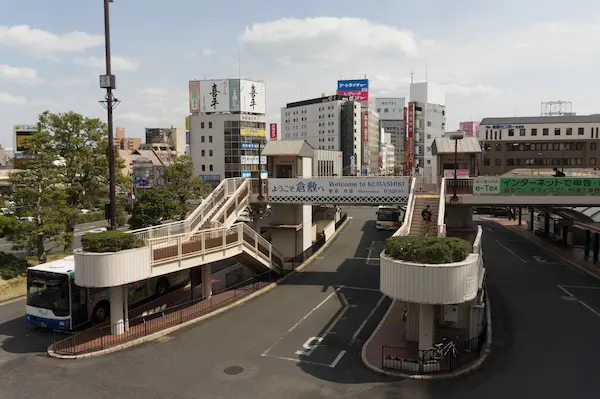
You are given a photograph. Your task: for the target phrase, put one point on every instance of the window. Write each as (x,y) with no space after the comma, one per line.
(510,162)
(569,131)
(210,154)
(428,161)
(204,168)
(210,125)
(201,125)
(521,132)
(486,135)
(511,132)
(592,161)
(534,132)
(557,131)
(210,168)
(210,139)
(428,123)
(486,162)
(580,131)
(498,147)
(498,162)
(202,139)
(545,131)
(203,153)
(593,146)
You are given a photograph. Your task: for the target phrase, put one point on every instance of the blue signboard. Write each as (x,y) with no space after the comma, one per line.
(246,174)
(356,84)
(249,146)
(141,182)
(210,177)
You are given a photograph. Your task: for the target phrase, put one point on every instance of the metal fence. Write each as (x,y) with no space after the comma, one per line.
(100,338)
(432,361)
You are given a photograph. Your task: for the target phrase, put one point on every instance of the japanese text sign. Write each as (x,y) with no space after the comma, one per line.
(550,186)
(486,185)
(357,90)
(410,135)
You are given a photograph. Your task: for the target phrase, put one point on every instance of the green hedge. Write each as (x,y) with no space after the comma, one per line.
(12,266)
(110,241)
(89,217)
(428,250)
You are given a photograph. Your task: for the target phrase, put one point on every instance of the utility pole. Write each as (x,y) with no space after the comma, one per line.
(108,82)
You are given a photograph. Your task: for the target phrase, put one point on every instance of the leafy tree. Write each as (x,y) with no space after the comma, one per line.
(183,185)
(39,193)
(151,208)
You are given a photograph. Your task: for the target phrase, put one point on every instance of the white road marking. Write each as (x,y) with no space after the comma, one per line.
(359,288)
(291,359)
(582,287)
(579,300)
(337,359)
(509,250)
(366,320)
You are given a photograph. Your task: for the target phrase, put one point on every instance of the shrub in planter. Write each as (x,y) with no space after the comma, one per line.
(428,250)
(12,266)
(93,216)
(110,241)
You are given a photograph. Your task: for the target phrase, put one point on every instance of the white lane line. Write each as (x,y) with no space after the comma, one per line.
(337,359)
(306,316)
(578,300)
(580,286)
(366,320)
(291,359)
(509,250)
(359,288)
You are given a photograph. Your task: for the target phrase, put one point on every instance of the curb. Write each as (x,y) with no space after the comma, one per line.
(162,333)
(472,367)
(8,301)
(526,236)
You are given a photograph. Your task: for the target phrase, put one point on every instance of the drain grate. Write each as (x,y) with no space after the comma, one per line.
(233,370)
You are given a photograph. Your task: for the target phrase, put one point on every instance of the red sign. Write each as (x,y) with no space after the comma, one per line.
(410,135)
(404,144)
(460,173)
(366,127)
(273,131)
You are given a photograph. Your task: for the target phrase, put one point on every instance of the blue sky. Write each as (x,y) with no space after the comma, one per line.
(492,60)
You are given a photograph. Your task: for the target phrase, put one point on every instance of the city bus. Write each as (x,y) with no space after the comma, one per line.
(54,301)
(389,217)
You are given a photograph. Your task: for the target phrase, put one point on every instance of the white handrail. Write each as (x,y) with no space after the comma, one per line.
(231,199)
(441,226)
(410,206)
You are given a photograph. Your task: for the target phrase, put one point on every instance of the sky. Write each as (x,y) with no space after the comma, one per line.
(492,59)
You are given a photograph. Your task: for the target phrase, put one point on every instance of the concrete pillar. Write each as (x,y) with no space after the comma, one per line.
(546,224)
(126,306)
(116,310)
(531,217)
(426,326)
(412,322)
(520,215)
(587,244)
(596,246)
(206,281)
(565,233)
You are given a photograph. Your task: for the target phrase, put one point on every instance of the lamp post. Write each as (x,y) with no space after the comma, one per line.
(108,82)
(455,137)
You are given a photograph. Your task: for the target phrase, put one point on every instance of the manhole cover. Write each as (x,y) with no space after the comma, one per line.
(233,370)
(568,298)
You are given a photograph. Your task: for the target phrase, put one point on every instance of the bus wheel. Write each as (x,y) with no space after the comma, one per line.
(101,312)
(162,287)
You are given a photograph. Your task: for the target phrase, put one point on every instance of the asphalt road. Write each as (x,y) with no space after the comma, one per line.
(544,343)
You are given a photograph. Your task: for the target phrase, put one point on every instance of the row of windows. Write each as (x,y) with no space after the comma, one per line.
(492,134)
(540,162)
(245,124)
(202,139)
(545,146)
(210,168)
(322,139)
(203,153)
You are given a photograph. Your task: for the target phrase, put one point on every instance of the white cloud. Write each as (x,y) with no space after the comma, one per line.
(207,51)
(18,75)
(152,91)
(45,44)
(118,63)
(9,99)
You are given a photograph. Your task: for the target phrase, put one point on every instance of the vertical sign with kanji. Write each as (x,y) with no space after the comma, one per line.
(404,144)
(273,132)
(410,134)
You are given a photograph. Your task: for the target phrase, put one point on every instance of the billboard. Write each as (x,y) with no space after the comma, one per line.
(253,97)
(249,146)
(375,190)
(194,96)
(468,128)
(22,133)
(357,89)
(410,135)
(214,95)
(273,131)
(460,173)
(390,109)
(253,132)
(366,127)
(252,160)
(404,143)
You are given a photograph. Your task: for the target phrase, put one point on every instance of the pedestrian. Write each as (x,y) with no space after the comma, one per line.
(427,214)
(558,173)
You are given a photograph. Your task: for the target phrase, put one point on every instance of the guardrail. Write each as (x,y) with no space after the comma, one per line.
(441,225)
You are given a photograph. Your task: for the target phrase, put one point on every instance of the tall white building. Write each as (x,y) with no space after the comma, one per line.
(388,154)
(427,101)
(371,138)
(227,128)
(391,118)
(326,123)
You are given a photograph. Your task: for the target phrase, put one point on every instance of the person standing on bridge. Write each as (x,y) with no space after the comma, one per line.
(427,214)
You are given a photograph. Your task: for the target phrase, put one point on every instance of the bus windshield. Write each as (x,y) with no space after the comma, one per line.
(388,215)
(48,291)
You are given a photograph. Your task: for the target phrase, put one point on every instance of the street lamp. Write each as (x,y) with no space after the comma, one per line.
(455,137)
(108,82)
(261,146)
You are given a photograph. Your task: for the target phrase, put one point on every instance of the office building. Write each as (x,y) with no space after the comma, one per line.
(227,128)
(388,155)
(568,141)
(175,137)
(326,123)
(391,119)
(370,139)
(126,143)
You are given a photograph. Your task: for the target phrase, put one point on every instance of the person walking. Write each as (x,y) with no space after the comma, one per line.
(426,214)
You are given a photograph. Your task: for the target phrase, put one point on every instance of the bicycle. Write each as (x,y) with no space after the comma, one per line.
(440,351)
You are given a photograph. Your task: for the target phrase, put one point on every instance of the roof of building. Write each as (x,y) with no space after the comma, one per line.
(595,118)
(299,148)
(158,158)
(445,145)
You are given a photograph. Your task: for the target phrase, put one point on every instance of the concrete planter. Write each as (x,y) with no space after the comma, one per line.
(111,269)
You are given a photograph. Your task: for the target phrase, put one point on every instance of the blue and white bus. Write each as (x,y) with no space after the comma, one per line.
(54,300)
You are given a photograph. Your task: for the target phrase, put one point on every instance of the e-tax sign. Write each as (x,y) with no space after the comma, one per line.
(365,190)
(488,185)
(550,186)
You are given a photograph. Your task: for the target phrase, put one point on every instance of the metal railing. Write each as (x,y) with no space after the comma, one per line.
(95,339)
(463,186)
(431,361)
(441,225)
(218,239)
(232,204)
(404,230)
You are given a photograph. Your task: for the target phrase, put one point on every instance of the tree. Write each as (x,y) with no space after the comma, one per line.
(80,143)
(151,208)
(39,194)
(183,185)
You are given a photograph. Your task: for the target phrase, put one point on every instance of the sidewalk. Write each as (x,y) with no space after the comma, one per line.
(572,255)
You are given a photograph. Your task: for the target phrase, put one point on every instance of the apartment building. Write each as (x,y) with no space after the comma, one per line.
(391,119)
(569,141)
(126,143)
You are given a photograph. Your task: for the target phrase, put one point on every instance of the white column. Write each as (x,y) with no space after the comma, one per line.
(426,326)
(126,306)
(206,281)
(116,310)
